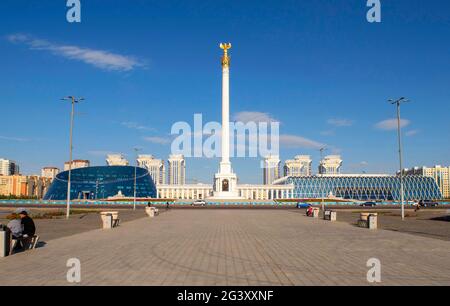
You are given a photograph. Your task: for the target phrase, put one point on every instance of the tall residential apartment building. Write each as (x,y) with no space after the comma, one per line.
(24,186)
(439,173)
(330,165)
(271,169)
(155,167)
(301,165)
(49,172)
(76,164)
(8,167)
(177,170)
(116,160)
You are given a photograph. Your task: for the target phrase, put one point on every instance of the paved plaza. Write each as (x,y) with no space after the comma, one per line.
(233,247)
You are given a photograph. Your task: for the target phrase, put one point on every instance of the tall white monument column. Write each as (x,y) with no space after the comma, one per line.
(225,182)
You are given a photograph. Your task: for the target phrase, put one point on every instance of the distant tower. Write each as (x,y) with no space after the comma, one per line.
(330,165)
(49,172)
(301,165)
(155,167)
(271,170)
(177,170)
(8,167)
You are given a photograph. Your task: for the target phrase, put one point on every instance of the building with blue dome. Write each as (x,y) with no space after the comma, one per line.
(102,182)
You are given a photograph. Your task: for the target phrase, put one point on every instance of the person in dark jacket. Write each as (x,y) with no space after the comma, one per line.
(29,229)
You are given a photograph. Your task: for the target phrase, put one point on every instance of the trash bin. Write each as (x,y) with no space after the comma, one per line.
(316,212)
(107,220)
(330,215)
(373,221)
(5,241)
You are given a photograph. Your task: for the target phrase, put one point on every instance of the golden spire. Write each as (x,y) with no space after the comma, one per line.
(226,60)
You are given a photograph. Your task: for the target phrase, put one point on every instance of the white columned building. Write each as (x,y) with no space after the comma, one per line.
(225,182)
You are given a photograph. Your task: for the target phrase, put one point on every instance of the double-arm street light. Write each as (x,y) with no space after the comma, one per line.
(398,102)
(73,101)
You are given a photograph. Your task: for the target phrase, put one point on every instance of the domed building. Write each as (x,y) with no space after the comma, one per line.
(102,182)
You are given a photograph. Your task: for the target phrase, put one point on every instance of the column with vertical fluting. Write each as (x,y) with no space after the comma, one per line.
(225,166)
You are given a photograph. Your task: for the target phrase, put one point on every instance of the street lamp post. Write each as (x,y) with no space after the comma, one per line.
(73,101)
(398,102)
(322,183)
(136,150)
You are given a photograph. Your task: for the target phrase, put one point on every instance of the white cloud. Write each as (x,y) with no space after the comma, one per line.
(391,124)
(340,122)
(101,153)
(136,126)
(158,140)
(98,58)
(327,133)
(293,141)
(411,133)
(14,139)
(257,117)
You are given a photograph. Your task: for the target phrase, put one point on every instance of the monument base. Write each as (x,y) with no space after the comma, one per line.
(225,187)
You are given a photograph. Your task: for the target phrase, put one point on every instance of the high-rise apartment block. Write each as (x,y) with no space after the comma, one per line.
(76,164)
(177,170)
(49,172)
(155,167)
(271,169)
(330,165)
(8,167)
(116,160)
(301,165)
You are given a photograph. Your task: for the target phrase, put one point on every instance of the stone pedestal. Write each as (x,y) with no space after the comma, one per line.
(316,213)
(107,220)
(151,211)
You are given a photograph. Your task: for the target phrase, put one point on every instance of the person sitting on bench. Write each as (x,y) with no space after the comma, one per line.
(16,228)
(309,212)
(29,229)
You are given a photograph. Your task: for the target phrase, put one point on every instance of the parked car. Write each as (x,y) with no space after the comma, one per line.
(201,203)
(303,205)
(369,204)
(428,204)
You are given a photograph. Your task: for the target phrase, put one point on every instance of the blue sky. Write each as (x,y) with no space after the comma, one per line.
(316,66)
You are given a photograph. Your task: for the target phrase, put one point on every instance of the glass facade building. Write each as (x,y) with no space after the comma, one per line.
(365,188)
(102,182)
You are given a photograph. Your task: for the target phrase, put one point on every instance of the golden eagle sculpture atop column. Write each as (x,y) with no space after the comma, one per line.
(226,60)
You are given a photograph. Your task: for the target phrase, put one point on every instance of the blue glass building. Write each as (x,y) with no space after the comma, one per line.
(102,182)
(383,188)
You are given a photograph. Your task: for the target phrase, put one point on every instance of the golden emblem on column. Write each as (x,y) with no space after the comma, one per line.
(226,60)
